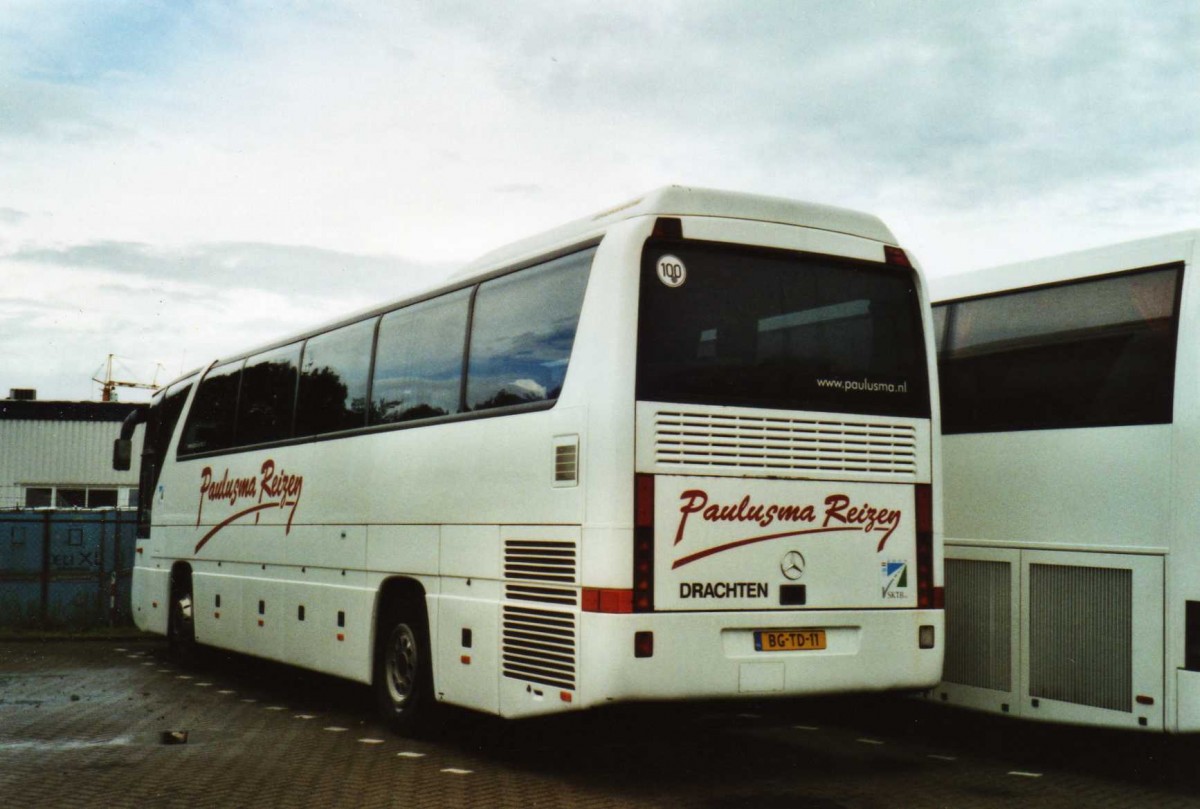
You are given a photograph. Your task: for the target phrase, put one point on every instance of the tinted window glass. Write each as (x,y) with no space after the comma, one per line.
(418,362)
(773,329)
(210,420)
(160,426)
(333,380)
(268,396)
(522,332)
(1086,354)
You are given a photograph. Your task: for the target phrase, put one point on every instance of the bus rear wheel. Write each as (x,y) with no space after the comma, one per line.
(403,674)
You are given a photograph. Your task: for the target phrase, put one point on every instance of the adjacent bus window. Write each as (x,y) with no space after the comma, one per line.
(211,417)
(1099,352)
(418,360)
(268,396)
(522,332)
(773,329)
(333,380)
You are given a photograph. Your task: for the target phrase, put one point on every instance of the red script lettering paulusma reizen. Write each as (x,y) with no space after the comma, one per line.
(271,488)
(837,514)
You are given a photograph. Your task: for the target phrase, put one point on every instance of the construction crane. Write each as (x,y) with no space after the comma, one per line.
(108,385)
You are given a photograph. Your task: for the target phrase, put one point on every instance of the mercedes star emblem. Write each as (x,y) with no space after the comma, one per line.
(792,565)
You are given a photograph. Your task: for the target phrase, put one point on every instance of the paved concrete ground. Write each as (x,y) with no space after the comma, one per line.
(83,723)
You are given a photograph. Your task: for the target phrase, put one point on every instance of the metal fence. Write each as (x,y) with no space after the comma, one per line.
(66,569)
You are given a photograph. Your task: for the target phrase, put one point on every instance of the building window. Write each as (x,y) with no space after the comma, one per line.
(102,498)
(38,498)
(70,498)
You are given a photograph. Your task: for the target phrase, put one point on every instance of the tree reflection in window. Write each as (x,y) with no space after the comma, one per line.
(333,380)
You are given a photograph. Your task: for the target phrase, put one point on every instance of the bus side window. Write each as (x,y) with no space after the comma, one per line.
(418,360)
(333,380)
(522,332)
(268,396)
(210,420)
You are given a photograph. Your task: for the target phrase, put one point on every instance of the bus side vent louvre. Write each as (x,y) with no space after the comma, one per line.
(764,444)
(1081,635)
(541,594)
(539,646)
(566,462)
(979,624)
(540,561)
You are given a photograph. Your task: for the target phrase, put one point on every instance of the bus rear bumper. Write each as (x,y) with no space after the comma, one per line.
(711,655)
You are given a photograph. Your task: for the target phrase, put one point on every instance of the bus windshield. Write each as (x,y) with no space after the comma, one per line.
(725,325)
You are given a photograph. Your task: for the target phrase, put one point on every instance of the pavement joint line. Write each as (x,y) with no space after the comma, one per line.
(226,691)
(410,754)
(336,729)
(249,699)
(162,671)
(456,771)
(371,741)
(276,708)
(1023,774)
(942,758)
(805,727)
(749,716)
(870,741)
(184,677)
(202,685)
(304,716)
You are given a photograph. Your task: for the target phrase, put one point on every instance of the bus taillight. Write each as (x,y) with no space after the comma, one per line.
(643,543)
(928,596)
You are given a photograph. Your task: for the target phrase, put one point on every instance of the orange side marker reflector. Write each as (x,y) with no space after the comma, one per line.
(1142,699)
(217,615)
(466,660)
(260,621)
(565,696)
(341,636)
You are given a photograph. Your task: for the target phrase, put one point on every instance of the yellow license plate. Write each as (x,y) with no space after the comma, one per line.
(789,640)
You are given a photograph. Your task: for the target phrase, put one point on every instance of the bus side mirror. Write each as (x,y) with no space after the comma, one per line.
(122,454)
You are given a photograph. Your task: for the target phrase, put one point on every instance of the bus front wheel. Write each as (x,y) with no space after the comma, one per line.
(403,674)
(181,627)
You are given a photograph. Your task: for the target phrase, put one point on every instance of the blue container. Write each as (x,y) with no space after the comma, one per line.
(66,569)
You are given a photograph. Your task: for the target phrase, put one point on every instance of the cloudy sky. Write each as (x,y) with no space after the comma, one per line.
(179,180)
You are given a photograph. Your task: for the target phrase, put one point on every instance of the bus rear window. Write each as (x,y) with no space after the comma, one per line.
(782,330)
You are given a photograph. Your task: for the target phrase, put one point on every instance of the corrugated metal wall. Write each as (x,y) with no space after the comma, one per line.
(60,453)
(66,569)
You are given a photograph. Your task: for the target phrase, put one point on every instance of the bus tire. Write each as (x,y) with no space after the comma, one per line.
(181,625)
(403,671)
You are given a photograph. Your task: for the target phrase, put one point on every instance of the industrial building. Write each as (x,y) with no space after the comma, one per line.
(59,454)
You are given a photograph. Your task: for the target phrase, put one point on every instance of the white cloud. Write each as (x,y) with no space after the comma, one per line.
(216,154)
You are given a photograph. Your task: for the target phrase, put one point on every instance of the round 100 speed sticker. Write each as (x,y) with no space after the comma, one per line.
(671,271)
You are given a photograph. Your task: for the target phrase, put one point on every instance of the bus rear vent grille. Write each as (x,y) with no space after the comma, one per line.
(538,646)
(979,624)
(774,444)
(1081,635)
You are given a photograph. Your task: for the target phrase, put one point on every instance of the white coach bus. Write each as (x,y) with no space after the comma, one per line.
(1071,419)
(684,448)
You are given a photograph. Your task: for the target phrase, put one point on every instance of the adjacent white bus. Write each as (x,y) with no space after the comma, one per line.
(685,448)
(1071,418)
